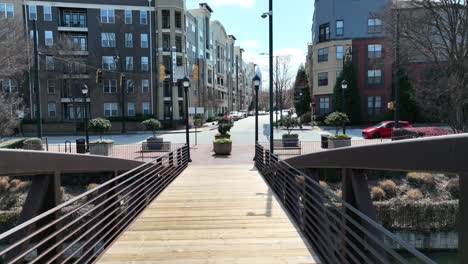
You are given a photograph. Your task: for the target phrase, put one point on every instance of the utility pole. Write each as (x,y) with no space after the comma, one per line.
(36,82)
(277,90)
(237,81)
(396,73)
(271,74)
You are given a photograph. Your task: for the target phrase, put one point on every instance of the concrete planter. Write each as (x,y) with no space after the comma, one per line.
(222,149)
(338,143)
(290,141)
(101,149)
(154,143)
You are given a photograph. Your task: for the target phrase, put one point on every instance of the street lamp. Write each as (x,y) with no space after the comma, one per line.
(269,14)
(85,91)
(256,80)
(344,86)
(186,84)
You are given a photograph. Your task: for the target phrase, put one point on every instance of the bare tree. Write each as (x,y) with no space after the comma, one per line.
(13,40)
(10,107)
(436,33)
(282,80)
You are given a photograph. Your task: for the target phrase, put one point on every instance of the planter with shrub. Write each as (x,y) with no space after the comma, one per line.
(33,144)
(154,142)
(100,147)
(223,144)
(198,120)
(338,119)
(290,140)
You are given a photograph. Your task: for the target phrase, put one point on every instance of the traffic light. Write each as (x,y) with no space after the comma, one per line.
(162,72)
(123,79)
(98,76)
(195,72)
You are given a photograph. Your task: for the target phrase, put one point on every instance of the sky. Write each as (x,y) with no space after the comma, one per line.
(291,28)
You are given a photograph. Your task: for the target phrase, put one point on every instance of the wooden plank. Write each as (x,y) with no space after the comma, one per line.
(216,214)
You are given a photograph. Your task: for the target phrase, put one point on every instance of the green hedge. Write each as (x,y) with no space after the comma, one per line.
(16,143)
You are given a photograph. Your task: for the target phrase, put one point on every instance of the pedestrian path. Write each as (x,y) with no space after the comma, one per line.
(212,214)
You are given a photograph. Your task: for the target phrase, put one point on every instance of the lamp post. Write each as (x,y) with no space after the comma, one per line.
(269,14)
(186,83)
(344,86)
(85,91)
(256,81)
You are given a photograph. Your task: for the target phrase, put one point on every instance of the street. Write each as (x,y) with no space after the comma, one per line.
(243,133)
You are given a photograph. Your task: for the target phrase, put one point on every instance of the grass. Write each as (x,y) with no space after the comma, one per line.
(389,187)
(420,179)
(377,194)
(414,195)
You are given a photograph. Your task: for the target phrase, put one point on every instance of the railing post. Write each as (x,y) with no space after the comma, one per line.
(171,159)
(462,217)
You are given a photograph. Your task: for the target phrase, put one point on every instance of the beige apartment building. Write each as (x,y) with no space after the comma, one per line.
(327,60)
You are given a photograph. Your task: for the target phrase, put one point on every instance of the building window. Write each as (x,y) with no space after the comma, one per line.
(374,76)
(146,108)
(178,20)
(108,16)
(128,40)
(129,63)
(324,105)
(6,10)
(167,110)
(51,86)
(144,41)
(128,17)
(108,40)
(322,54)
(109,63)
(52,110)
(131,109)
(166,19)
(32,12)
(374,51)
(144,64)
(130,86)
(339,52)
(324,32)
(339,28)
(166,42)
(323,78)
(167,88)
(143,17)
(109,86)
(74,19)
(49,38)
(50,65)
(374,25)
(178,43)
(9,86)
(145,86)
(47,13)
(374,105)
(110,109)
(167,63)
(77,42)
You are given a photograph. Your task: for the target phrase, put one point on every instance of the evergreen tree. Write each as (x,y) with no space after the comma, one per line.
(352,98)
(302,98)
(408,107)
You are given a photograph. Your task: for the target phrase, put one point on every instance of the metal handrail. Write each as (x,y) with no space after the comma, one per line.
(72,231)
(337,231)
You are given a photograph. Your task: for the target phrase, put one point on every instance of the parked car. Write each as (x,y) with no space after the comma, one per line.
(262,113)
(244,113)
(383,129)
(251,113)
(236,115)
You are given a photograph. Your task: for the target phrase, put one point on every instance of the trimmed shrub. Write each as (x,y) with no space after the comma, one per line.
(4,184)
(91,186)
(377,194)
(13,144)
(453,187)
(224,126)
(420,179)
(152,125)
(414,195)
(306,118)
(100,125)
(389,187)
(337,119)
(290,123)
(18,186)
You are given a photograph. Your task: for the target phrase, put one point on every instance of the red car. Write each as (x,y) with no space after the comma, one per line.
(383,129)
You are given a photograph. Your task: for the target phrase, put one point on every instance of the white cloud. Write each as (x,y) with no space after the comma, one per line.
(250,44)
(242,3)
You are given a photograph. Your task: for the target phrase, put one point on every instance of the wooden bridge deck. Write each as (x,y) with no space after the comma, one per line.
(223,214)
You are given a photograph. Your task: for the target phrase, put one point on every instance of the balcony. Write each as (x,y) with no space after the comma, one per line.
(73,21)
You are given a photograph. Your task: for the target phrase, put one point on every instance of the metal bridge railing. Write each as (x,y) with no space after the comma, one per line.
(79,230)
(337,231)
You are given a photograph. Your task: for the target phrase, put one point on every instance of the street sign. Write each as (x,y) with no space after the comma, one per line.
(196,110)
(174,64)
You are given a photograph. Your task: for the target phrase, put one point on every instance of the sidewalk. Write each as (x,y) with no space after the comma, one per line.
(206,127)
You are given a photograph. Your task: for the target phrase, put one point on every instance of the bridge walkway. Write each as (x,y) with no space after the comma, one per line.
(213,214)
